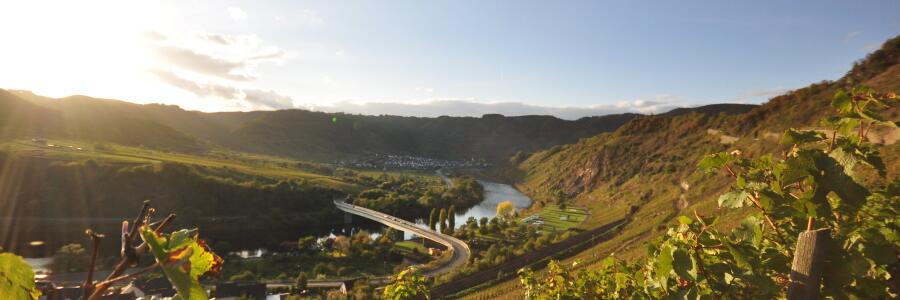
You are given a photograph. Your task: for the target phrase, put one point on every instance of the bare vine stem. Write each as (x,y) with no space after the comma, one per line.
(130,254)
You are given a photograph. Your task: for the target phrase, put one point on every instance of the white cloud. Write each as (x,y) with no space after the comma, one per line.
(248,98)
(761,94)
(204,63)
(473,108)
(850,35)
(267,99)
(329,82)
(869,47)
(237,13)
(218,66)
(200,89)
(308,18)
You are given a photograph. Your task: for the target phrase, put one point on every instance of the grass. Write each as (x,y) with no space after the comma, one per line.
(261,165)
(557,218)
(409,247)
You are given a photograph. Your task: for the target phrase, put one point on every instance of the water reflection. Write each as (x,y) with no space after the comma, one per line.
(494,193)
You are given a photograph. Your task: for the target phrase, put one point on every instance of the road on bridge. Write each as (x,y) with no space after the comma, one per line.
(458,248)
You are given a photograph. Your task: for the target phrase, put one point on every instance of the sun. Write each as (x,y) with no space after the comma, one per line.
(59,48)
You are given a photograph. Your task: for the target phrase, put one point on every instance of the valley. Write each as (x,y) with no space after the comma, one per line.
(707,200)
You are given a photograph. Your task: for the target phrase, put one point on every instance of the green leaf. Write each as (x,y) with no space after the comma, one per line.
(799,137)
(797,167)
(684,265)
(716,161)
(664,264)
(16,278)
(732,199)
(739,254)
(872,159)
(845,124)
(750,229)
(768,199)
(685,220)
(729,278)
(833,177)
(881,254)
(183,258)
(875,118)
(842,101)
(847,160)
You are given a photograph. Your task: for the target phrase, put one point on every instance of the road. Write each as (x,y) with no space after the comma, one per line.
(460,249)
(440,172)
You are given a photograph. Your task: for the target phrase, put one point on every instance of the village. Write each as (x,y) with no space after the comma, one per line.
(408,162)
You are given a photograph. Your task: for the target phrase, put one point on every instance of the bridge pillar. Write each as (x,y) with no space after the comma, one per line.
(348,224)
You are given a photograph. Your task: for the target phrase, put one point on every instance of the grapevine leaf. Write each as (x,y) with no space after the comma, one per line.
(872,159)
(846,126)
(847,160)
(799,137)
(881,254)
(729,278)
(684,265)
(664,264)
(16,278)
(716,161)
(738,252)
(875,118)
(833,177)
(183,259)
(842,101)
(797,168)
(732,199)
(750,229)
(768,199)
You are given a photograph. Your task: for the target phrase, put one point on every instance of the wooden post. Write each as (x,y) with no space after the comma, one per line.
(809,260)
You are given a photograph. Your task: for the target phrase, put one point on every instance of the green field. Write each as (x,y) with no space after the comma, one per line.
(255,164)
(556,218)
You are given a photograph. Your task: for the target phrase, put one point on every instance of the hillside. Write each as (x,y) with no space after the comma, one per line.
(295,133)
(648,165)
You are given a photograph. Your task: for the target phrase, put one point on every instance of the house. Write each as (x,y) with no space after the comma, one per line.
(233,290)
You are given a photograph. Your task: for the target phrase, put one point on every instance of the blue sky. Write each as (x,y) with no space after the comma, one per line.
(428,58)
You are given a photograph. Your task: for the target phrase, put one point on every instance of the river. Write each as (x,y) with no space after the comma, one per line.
(494,193)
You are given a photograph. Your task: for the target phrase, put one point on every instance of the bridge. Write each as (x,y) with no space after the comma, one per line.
(460,250)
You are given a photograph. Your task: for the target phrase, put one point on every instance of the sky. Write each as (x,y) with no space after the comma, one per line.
(429,58)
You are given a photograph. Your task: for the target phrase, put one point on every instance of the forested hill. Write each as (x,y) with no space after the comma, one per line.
(650,163)
(295,133)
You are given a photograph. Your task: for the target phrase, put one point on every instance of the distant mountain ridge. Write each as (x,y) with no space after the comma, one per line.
(298,133)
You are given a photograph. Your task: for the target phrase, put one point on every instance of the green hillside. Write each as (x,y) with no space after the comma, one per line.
(299,134)
(649,164)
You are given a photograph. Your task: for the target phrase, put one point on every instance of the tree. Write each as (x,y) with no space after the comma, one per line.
(319,269)
(408,285)
(69,258)
(244,275)
(505,208)
(443,219)
(432,219)
(451,218)
(306,244)
(342,245)
(302,281)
